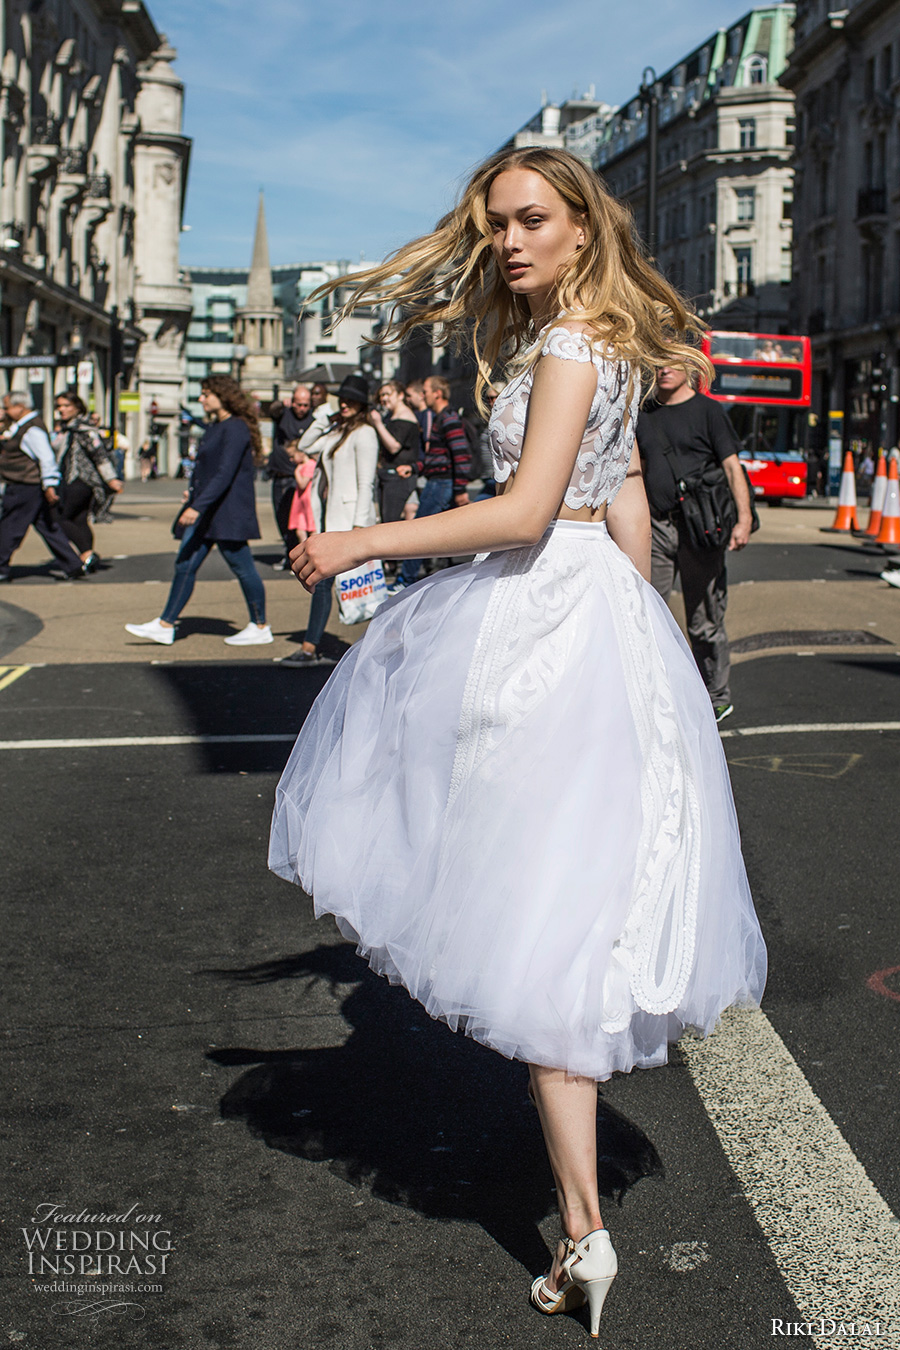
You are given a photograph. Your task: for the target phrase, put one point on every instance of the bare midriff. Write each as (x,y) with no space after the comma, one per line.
(586,514)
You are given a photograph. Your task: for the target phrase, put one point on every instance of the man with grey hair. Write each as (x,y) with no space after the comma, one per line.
(31,476)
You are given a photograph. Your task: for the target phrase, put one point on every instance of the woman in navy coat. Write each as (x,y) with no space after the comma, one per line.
(221,509)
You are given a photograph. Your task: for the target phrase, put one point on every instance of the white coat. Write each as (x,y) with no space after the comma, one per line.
(348,473)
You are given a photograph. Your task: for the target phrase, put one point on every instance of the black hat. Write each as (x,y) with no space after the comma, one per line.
(355,389)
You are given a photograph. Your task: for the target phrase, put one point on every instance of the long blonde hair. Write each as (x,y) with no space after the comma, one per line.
(450,279)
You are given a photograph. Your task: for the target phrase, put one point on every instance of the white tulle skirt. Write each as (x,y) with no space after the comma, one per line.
(512,796)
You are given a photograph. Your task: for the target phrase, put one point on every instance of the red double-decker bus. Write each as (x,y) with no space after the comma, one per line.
(765,379)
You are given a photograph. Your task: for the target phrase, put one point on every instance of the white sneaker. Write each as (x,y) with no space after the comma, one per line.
(892,577)
(251,636)
(154,630)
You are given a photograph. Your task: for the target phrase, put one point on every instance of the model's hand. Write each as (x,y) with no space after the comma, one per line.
(324,555)
(116,484)
(51,495)
(740,536)
(188,516)
(461,499)
(404,470)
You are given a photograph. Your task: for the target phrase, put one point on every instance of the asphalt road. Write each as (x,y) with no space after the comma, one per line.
(334,1169)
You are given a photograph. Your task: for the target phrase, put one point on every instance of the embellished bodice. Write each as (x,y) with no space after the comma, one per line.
(606,447)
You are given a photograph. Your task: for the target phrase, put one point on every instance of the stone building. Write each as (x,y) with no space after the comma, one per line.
(94,171)
(577,124)
(845,74)
(724,174)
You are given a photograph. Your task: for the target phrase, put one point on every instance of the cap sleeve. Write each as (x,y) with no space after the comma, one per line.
(567,346)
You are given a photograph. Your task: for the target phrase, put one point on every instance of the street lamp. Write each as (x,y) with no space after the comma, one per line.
(649,95)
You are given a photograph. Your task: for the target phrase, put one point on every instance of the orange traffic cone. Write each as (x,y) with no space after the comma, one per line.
(890,516)
(879,488)
(845,521)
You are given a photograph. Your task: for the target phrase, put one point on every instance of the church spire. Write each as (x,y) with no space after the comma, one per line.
(259,284)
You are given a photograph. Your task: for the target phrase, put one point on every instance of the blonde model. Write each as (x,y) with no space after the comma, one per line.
(544,848)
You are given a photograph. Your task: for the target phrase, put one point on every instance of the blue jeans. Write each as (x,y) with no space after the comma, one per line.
(436,496)
(319,610)
(194,551)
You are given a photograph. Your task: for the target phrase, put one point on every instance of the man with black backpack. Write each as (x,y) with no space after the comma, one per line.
(689,451)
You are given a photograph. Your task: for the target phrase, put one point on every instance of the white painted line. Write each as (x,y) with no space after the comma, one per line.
(800,727)
(833,1237)
(112,742)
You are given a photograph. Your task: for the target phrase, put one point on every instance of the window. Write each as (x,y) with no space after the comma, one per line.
(743,261)
(873,277)
(756,68)
(887,67)
(789,132)
(785,266)
(824,187)
(869,79)
(747,132)
(787,206)
(746,203)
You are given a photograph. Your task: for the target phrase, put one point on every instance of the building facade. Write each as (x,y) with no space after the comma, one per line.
(577,124)
(94,170)
(845,75)
(724,172)
(313,347)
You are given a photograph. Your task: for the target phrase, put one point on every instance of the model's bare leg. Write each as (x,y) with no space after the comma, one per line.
(568,1110)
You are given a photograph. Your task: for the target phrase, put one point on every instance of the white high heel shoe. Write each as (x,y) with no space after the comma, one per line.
(591,1266)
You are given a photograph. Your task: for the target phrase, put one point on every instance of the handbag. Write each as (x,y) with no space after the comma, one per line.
(360,592)
(707,504)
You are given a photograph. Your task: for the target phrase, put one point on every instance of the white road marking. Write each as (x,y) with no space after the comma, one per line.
(112,742)
(797,728)
(833,1237)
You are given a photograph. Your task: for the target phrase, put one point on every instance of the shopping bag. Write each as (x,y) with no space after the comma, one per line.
(360,592)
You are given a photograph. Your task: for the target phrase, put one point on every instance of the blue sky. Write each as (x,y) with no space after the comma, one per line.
(360,120)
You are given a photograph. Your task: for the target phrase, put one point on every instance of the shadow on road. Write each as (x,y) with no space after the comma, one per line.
(219,699)
(419,1116)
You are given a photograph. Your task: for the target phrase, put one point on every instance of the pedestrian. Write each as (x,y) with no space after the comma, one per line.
(220,509)
(289,425)
(682,432)
(415,397)
(511,792)
(483,469)
(31,479)
(302,518)
(343,497)
(89,476)
(147,457)
(400,457)
(446,466)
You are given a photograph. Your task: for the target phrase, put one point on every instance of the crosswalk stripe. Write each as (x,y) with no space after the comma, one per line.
(9,674)
(833,1237)
(111,742)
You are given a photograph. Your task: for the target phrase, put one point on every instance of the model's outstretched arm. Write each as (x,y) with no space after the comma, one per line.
(628,517)
(558,411)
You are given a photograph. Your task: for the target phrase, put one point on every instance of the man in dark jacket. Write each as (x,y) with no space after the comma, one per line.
(446,466)
(31,474)
(679,433)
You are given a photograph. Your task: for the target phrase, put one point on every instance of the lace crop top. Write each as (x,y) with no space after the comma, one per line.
(606,447)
